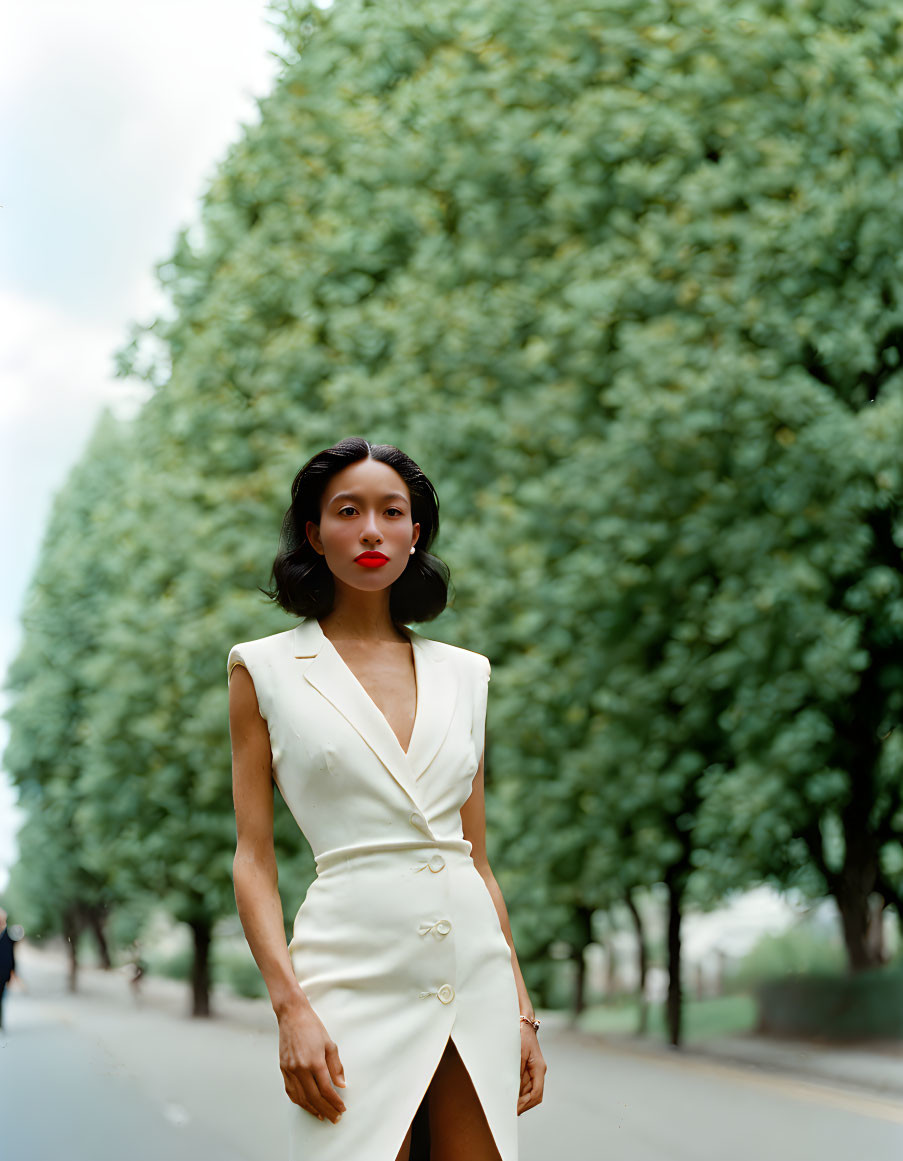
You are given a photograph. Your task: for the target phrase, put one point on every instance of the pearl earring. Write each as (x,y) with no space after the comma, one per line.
(411,553)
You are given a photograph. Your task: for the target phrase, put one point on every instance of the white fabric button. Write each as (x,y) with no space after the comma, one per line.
(418,820)
(441,927)
(446,993)
(436,863)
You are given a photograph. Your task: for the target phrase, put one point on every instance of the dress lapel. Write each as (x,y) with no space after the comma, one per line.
(436,697)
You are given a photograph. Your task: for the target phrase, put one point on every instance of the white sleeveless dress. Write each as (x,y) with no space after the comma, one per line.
(397,944)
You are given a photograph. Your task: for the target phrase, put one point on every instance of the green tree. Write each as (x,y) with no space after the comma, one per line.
(57,877)
(156,766)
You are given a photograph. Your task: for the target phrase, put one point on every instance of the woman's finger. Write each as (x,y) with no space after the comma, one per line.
(536,1093)
(296,1093)
(334,1064)
(526,1088)
(539,1074)
(324,1110)
(535,1072)
(327,1092)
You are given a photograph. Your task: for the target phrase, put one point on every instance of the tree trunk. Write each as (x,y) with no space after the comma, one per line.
(675,886)
(579,999)
(859,747)
(853,889)
(642,963)
(853,885)
(200,968)
(71,928)
(876,930)
(584,916)
(96,919)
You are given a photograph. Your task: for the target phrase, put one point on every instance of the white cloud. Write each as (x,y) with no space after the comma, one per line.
(121,113)
(55,375)
(46,353)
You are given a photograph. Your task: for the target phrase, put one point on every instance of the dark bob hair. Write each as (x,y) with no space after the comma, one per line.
(302,581)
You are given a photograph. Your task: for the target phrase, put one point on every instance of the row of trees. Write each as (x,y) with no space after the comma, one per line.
(623,279)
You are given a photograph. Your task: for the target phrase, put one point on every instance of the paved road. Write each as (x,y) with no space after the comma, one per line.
(96,1077)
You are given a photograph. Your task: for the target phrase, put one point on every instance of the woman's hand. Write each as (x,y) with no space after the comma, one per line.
(532,1069)
(310,1064)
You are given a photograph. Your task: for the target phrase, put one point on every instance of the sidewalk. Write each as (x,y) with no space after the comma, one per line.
(874,1067)
(45,969)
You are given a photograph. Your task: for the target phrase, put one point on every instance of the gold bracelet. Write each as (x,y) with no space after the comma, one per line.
(533,1023)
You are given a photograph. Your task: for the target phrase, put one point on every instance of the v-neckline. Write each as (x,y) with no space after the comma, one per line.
(417,685)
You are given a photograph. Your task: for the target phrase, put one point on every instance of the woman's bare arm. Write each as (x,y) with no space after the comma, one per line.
(254,869)
(309,1059)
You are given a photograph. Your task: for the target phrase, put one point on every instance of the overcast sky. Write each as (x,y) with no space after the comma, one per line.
(113,118)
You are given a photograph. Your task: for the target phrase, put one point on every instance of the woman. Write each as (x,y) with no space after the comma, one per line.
(405,1028)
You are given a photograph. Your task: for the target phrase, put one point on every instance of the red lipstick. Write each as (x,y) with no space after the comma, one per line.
(371,559)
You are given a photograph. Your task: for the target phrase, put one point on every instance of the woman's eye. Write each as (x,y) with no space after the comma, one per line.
(349,508)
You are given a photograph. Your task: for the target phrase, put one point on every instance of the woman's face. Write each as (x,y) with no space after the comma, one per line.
(366,508)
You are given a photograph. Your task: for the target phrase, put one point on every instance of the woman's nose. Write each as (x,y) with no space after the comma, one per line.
(371,529)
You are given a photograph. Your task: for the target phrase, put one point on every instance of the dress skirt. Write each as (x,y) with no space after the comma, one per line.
(399,948)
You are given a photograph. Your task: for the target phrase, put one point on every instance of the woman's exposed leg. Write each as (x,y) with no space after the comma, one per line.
(459,1130)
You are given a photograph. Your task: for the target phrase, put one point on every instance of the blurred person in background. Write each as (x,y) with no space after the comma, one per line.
(7,959)
(136,969)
